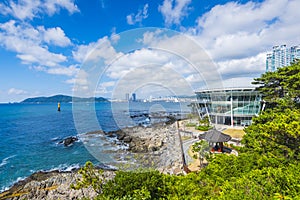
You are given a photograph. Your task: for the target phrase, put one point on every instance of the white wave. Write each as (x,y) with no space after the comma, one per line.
(55,138)
(65,167)
(4,188)
(5,160)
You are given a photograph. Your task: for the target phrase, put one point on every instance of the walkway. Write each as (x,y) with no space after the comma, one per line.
(186,147)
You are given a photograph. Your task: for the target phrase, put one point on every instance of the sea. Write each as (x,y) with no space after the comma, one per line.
(31,134)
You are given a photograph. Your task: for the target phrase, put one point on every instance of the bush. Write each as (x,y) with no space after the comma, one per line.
(203,128)
(134,184)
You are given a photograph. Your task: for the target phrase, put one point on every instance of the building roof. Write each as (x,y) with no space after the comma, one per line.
(237,89)
(214,135)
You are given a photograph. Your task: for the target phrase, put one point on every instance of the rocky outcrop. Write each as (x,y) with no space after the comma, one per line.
(50,185)
(156,147)
(69,140)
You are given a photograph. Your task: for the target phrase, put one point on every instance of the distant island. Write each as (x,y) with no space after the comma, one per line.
(63,99)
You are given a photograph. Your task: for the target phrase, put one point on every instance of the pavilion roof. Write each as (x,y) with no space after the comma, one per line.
(214,135)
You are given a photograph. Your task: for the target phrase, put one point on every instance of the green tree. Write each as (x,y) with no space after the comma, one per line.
(89,177)
(202,148)
(276,133)
(282,84)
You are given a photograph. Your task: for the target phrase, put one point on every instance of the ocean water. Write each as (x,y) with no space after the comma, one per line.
(30,134)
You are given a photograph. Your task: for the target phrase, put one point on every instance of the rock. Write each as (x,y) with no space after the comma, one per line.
(110,134)
(121,136)
(127,139)
(69,140)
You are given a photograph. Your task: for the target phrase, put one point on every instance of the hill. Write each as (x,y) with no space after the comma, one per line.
(63,99)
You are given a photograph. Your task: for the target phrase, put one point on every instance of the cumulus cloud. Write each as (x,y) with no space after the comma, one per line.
(235,30)
(53,7)
(252,65)
(174,11)
(55,36)
(139,17)
(28,9)
(102,49)
(28,42)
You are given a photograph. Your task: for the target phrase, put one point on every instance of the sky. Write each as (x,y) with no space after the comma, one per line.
(152,48)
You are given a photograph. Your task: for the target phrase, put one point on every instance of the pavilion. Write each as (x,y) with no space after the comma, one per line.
(216,137)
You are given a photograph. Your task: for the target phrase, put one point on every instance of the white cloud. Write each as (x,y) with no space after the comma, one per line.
(29,43)
(102,49)
(139,17)
(130,61)
(55,36)
(114,37)
(174,11)
(21,10)
(243,67)
(235,30)
(28,9)
(14,91)
(53,7)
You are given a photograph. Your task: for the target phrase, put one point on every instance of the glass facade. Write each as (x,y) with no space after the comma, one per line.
(236,105)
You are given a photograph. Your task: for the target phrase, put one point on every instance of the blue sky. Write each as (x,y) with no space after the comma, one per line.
(46,46)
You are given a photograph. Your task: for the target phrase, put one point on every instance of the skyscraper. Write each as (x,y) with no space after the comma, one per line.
(127,96)
(133,97)
(281,56)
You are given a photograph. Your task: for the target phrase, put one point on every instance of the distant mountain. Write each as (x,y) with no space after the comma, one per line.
(63,99)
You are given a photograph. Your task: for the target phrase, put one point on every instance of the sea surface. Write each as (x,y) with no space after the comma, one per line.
(30,133)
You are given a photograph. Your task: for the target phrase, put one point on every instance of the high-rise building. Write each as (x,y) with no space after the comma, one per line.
(127,96)
(281,56)
(133,97)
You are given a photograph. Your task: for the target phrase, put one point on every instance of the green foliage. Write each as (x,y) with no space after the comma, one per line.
(133,184)
(90,177)
(282,84)
(203,128)
(204,121)
(277,133)
(202,148)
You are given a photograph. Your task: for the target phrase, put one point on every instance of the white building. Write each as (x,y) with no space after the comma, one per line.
(281,56)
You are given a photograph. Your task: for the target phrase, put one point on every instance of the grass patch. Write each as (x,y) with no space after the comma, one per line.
(235,133)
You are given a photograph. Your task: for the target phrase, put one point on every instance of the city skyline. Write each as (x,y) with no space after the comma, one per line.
(43,44)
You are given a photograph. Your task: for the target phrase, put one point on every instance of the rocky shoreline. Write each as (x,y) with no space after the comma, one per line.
(50,185)
(154,147)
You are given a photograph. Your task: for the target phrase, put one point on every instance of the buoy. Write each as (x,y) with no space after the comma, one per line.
(58,107)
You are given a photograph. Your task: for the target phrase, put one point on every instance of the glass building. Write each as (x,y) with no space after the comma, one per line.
(232,106)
